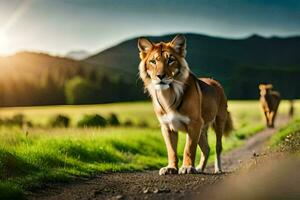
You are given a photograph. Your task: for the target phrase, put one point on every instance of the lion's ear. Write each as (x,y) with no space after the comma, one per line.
(179,45)
(144,46)
(261,86)
(269,86)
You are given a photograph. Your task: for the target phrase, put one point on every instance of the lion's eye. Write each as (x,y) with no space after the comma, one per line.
(170,60)
(153,61)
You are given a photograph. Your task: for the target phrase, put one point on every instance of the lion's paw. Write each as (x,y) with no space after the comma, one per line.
(168,170)
(199,169)
(218,171)
(188,170)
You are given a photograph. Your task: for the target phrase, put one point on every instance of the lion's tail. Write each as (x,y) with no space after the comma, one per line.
(228,125)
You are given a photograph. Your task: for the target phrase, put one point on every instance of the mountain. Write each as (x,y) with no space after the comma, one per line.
(239,64)
(78,55)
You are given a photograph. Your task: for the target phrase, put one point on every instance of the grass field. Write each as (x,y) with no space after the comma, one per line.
(285,133)
(42,154)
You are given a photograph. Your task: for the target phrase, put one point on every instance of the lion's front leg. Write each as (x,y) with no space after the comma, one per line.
(171,139)
(192,138)
(271,119)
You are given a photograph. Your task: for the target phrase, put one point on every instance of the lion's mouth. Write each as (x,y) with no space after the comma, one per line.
(161,85)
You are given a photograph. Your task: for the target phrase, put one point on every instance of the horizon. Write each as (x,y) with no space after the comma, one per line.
(58,27)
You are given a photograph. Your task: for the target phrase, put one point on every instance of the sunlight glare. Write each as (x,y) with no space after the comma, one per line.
(3,43)
(3,37)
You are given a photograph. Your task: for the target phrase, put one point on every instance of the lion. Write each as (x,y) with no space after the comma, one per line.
(269,100)
(182,102)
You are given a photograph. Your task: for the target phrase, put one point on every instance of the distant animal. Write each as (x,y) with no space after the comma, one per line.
(292,109)
(183,102)
(269,100)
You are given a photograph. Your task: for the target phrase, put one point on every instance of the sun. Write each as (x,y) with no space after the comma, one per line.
(3,37)
(3,43)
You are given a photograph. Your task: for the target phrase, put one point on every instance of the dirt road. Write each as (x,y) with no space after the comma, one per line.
(149,185)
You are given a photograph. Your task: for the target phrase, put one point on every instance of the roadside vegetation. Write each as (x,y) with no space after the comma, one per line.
(48,145)
(288,138)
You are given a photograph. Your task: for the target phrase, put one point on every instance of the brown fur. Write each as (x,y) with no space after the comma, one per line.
(183,102)
(269,100)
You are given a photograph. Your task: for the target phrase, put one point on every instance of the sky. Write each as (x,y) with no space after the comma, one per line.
(60,26)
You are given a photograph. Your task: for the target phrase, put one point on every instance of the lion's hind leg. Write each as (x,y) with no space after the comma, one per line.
(205,149)
(218,126)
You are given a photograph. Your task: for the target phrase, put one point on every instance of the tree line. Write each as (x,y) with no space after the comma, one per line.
(60,86)
(36,79)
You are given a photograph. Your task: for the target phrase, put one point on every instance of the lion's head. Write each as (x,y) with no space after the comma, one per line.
(163,64)
(265,88)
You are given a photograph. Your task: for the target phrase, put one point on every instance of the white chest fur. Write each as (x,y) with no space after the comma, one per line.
(175,121)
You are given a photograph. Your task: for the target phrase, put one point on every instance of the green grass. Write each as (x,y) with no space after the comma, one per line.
(42,156)
(10,191)
(60,154)
(293,127)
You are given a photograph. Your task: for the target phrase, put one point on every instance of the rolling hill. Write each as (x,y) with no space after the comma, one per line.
(247,61)
(77,55)
(29,78)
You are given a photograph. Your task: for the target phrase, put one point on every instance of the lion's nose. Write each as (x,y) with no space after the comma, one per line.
(161,76)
